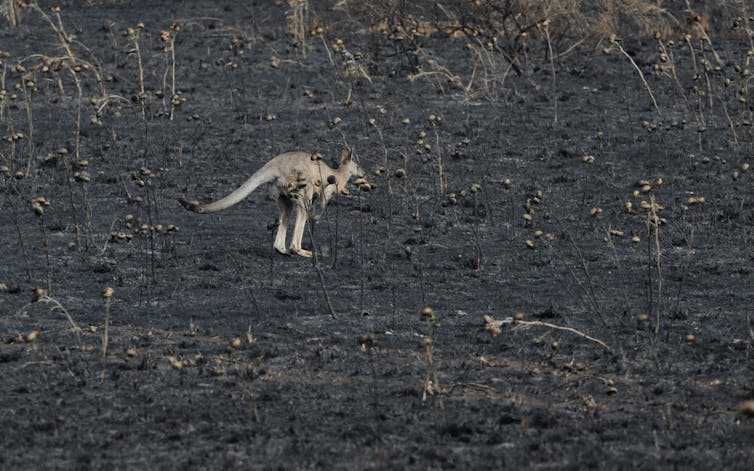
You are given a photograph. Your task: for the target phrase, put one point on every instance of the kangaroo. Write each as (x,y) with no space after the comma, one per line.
(299,178)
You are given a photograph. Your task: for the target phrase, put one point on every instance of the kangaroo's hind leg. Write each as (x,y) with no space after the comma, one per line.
(285,205)
(298,231)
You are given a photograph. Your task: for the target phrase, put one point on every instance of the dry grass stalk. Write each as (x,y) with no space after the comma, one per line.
(56,306)
(107,294)
(614,42)
(297,17)
(654,222)
(10,9)
(431,381)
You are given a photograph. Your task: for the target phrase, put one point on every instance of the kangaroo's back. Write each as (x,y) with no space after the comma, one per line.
(299,165)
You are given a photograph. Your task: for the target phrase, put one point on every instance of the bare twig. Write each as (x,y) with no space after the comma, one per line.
(494,327)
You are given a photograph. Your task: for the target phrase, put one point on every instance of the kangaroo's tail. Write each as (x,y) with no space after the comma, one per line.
(262,176)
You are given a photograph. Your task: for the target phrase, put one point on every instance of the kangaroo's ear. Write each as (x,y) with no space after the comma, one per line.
(346,155)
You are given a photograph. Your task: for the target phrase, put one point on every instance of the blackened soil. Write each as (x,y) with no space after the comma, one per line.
(334,366)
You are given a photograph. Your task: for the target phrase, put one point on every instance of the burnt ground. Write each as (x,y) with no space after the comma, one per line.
(304,389)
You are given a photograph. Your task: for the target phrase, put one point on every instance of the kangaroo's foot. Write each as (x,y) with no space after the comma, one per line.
(282,250)
(301,252)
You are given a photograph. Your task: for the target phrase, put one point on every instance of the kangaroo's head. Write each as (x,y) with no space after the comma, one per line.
(349,166)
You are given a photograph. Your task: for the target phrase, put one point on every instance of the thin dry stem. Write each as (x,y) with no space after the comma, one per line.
(641,75)
(654,222)
(105,339)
